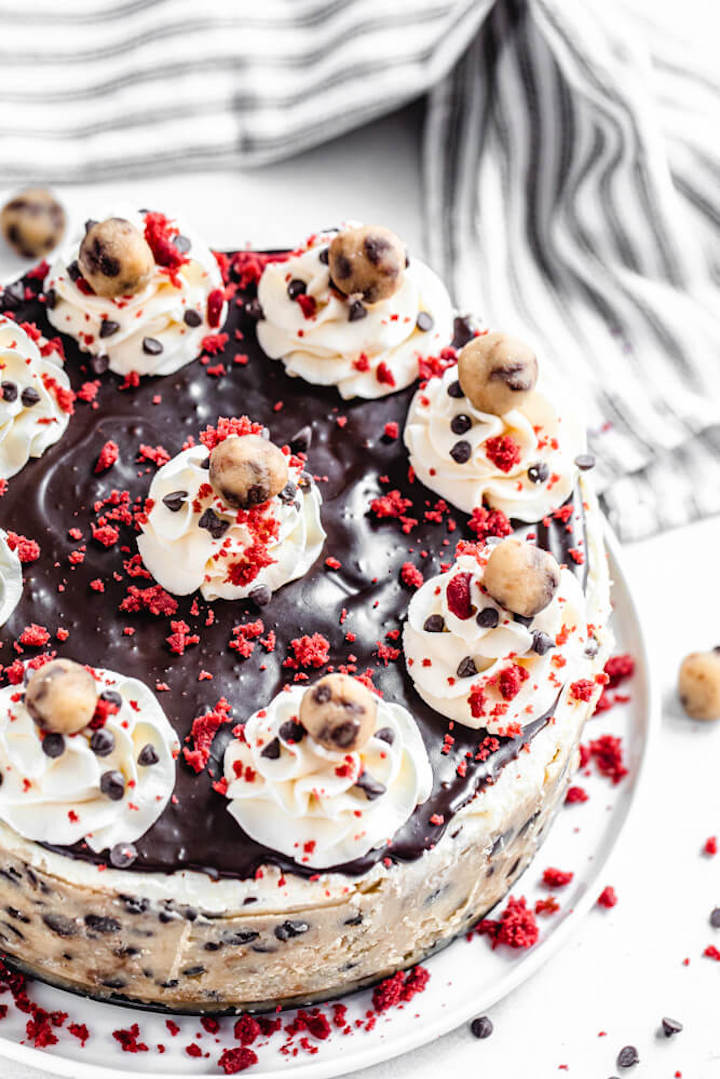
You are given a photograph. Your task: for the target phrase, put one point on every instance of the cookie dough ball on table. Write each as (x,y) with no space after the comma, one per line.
(699,684)
(339,712)
(246,470)
(521,577)
(61,696)
(367,262)
(497,372)
(33,222)
(115,258)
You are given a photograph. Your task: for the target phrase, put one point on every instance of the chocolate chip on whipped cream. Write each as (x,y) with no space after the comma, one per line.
(368,262)
(521,577)
(699,684)
(339,712)
(247,470)
(61,696)
(32,222)
(497,372)
(115,258)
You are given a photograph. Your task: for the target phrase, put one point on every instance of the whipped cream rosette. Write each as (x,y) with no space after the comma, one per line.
(521,462)
(192,539)
(157,329)
(105,784)
(320,806)
(474,662)
(35,397)
(11,579)
(330,339)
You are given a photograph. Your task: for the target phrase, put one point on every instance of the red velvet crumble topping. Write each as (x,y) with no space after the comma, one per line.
(503,451)
(516,927)
(233,1061)
(557,878)
(308,652)
(107,457)
(154,599)
(607,897)
(27,550)
(458,596)
(160,233)
(608,755)
(411,575)
(485,523)
(618,669)
(202,733)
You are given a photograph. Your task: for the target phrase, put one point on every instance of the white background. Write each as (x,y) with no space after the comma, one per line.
(624,969)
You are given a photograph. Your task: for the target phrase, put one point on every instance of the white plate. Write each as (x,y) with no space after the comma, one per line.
(466,978)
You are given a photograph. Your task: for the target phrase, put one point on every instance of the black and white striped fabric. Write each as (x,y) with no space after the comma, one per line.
(571,168)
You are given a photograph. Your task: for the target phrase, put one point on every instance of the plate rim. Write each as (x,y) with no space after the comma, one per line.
(388,1049)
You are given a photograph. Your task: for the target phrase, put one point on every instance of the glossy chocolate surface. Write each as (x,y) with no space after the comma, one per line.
(56,493)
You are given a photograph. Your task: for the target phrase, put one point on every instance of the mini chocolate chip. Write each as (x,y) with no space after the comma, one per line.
(462,331)
(542,643)
(239,937)
(461,451)
(112,785)
(99,364)
(151,346)
(193,972)
(385,735)
(357,311)
(715,918)
(291,731)
(108,327)
(9,391)
(102,742)
(585,461)
(29,396)
(192,318)
(58,923)
(424,321)
(538,473)
(466,667)
(434,623)
(261,595)
(290,929)
(50,298)
(300,442)
(288,492)
(272,750)
(123,855)
(253,309)
(488,617)
(627,1057)
(482,1027)
(460,424)
(53,745)
(371,787)
(305,480)
(670,1027)
(215,525)
(324,256)
(112,697)
(99,924)
(296,288)
(182,244)
(175,500)
(147,756)
(592,649)
(356,920)
(455,389)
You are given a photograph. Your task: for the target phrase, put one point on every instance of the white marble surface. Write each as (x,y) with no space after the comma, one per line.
(624,968)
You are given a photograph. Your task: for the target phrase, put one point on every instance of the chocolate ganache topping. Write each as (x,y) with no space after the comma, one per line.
(355,600)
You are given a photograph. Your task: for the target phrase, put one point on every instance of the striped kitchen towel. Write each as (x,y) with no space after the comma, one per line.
(571,168)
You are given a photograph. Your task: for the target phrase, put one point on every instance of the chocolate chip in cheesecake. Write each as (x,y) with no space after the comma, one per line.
(521,577)
(53,745)
(148,756)
(290,929)
(192,318)
(115,258)
(175,500)
(216,526)
(497,372)
(32,222)
(247,470)
(699,684)
(122,855)
(99,923)
(538,473)
(488,617)
(339,712)
(29,397)
(112,785)
(102,742)
(368,262)
(61,696)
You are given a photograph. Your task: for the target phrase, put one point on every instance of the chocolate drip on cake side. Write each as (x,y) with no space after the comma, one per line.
(364,597)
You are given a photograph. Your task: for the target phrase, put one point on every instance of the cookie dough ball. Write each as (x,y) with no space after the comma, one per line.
(521,577)
(246,470)
(61,696)
(699,684)
(33,222)
(339,712)
(115,258)
(368,262)
(497,372)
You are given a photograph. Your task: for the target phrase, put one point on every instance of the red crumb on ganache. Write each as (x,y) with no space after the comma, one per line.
(391,430)
(485,523)
(308,652)
(516,927)
(202,732)
(65,397)
(557,878)
(27,550)
(243,637)
(155,600)
(411,575)
(181,637)
(107,457)
(393,504)
(226,426)
(157,454)
(607,897)
(213,343)
(503,451)
(34,636)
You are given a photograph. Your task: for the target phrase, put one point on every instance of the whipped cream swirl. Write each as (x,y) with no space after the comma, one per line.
(11,579)
(294,796)
(31,416)
(522,463)
(317,337)
(155,331)
(473,662)
(58,799)
(192,539)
